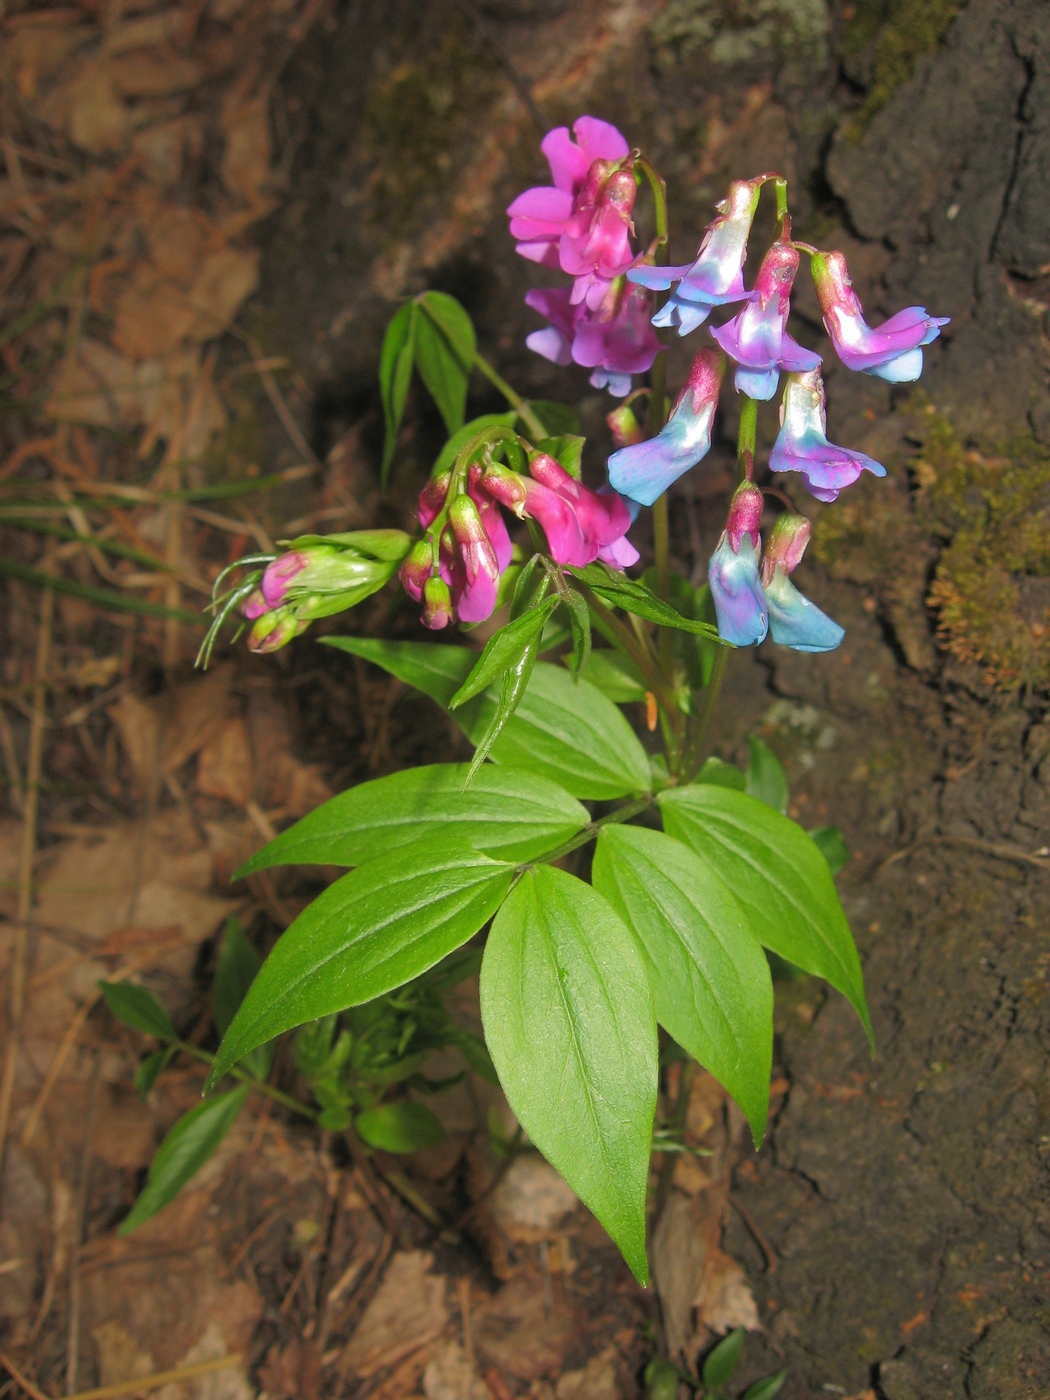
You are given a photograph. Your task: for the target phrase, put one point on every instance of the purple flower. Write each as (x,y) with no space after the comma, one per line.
(802,444)
(717,275)
(577,218)
(645,470)
(793,620)
(894,350)
(756,337)
(740,604)
(615,339)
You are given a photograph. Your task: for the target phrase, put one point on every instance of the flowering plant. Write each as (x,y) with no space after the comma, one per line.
(654,905)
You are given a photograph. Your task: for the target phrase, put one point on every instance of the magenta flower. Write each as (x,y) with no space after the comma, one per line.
(615,340)
(802,444)
(475,568)
(756,337)
(893,351)
(581,525)
(437,604)
(540,217)
(740,604)
(645,470)
(596,244)
(793,620)
(717,275)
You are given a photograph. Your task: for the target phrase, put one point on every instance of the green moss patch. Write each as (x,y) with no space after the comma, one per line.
(899,32)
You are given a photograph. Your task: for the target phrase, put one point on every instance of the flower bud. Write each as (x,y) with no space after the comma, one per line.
(432,498)
(437,604)
(793,620)
(416,569)
(786,545)
(480,565)
(504,486)
(745,515)
(274,630)
(624,426)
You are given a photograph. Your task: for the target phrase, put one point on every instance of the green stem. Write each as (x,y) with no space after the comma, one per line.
(614,632)
(694,752)
(659,188)
(748,430)
(278,1095)
(621,814)
(780,186)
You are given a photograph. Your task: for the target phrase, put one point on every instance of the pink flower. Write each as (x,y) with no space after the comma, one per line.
(581,525)
(581,223)
(615,340)
(475,568)
(893,351)
(756,337)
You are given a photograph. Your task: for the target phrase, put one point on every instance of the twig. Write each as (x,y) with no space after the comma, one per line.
(26,1385)
(280,407)
(83,1186)
(989,848)
(14,777)
(756,1234)
(25,874)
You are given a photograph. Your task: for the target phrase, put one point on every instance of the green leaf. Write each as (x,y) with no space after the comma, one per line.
(462,436)
(512,690)
(832,845)
(721,1361)
(508,815)
(778,875)
(504,650)
(395,373)
(563,730)
(616,676)
(374,929)
(151,1068)
(722,774)
(477,1056)
(183,1152)
(708,972)
(558,418)
(567,451)
(400,1127)
(444,353)
(580,625)
(766,778)
(569,1022)
(138,1008)
(766,1389)
(569,732)
(635,598)
(234,974)
(436,670)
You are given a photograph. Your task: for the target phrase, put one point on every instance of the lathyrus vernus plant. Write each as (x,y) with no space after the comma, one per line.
(692,878)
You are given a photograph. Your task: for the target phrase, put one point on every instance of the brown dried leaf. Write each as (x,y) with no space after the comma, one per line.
(147,31)
(164,732)
(408,1311)
(164,147)
(88,107)
(523,1332)
(36,52)
(154,74)
(247,158)
(96,385)
(724,1299)
(451,1376)
(595,1381)
(225,767)
(226,279)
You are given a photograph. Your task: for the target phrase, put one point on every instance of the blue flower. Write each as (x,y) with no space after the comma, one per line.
(802,444)
(793,620)
(733,573)
(644,470)
(717,275)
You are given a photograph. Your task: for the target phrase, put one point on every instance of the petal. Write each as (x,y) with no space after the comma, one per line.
(543,251)
(758,384)
(645,470)
(599,140)
(796,622)
(902,369)
(657,279)
(551,344)
(542,202)
(621,554)
(740,604)
(569,165)
(796,358)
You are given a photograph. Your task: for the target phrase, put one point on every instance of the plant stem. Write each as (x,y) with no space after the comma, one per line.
(694,751)
(278,1095)
(614,632)
(621,814)
(748,431)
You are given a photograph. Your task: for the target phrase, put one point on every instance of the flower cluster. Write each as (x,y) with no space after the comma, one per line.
(455,569)
(318,577)
(752,591)
(582,224)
